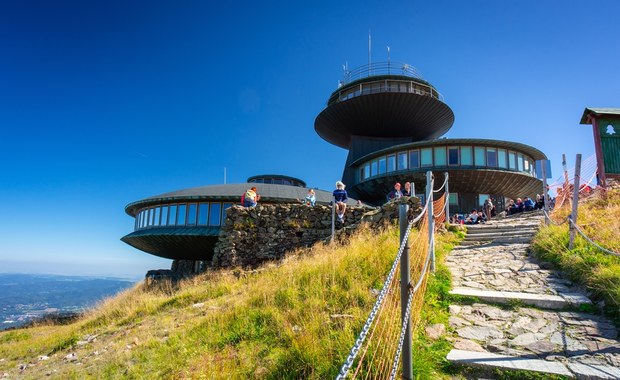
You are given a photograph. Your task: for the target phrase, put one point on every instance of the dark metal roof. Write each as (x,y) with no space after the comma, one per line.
(585,118)
(177,243)
(270,193)
(522,148)
(384,114)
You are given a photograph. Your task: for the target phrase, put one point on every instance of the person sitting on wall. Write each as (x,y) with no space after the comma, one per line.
(528,204)
(250,198)
(509,207)
(519,205)
(310,199)
(407,190)
(340,197)
(472,218)
(395,193)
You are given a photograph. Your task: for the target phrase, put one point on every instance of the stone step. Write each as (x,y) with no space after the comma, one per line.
(500,235)
(571,370)
(547,301)
(468,243)
(484,231)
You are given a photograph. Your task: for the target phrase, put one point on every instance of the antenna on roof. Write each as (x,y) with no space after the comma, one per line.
(224,175)
(369,52)
(388,49)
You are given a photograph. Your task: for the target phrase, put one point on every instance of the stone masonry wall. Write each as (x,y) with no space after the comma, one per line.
(252,236)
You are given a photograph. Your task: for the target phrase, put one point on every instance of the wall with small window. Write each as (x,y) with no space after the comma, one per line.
(182,215)
(447,157)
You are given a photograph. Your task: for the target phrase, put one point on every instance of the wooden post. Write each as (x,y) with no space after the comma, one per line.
(447,199)
(431,217)
(544,178)
(573,215)
(333,217)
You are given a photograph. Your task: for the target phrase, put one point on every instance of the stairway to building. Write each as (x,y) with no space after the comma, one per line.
(518,313)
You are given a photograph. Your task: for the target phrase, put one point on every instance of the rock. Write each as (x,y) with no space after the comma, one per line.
(198,305)
(435,331)
(468,345)
(457,322)
(72,357)
(454,309)
(479,332)
(43,358)
(527,338)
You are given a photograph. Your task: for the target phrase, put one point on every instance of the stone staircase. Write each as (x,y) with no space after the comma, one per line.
(540,330)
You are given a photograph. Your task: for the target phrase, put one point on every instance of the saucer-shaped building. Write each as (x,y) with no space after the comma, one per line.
(185,224)
(391,121)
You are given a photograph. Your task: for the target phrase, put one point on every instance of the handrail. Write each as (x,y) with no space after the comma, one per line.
(380,68)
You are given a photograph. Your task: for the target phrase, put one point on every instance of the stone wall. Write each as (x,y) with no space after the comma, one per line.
(252,236)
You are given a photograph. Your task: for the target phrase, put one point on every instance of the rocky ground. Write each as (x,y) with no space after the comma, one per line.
(529,316)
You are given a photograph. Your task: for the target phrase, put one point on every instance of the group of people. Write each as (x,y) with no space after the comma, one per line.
(396,192)
(525,204)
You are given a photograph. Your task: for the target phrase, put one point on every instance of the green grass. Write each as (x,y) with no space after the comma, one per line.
(584,264)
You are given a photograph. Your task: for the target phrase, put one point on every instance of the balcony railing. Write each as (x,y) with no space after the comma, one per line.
(380,68)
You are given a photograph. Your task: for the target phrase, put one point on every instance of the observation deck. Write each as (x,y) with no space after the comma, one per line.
(383,100)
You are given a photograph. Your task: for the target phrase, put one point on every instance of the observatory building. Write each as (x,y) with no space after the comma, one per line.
(391,122)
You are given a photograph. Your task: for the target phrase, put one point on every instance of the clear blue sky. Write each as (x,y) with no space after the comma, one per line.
(103,103)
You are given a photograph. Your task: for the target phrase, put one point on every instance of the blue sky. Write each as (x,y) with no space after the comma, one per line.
(103,103)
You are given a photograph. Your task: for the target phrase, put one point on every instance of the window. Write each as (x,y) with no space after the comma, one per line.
(391,163)
(492,157)
(366,171)
(479,156)
(453,156)
(501,158)
(157,215)
(172,215)
(182,216)
(466,156)
(440,156)
(512,160)
(481,199)
(226,206)
(214,214)
(427,157)
(453,199)
(402,161)
(526,164)
(382,165)
(414,159)
(520,162)
(191,214)
(203,214)
(374,168)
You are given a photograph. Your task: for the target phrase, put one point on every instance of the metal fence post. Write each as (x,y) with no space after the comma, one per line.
(431,217)
(573,215)
(404,292)
(333,217)
(447,199)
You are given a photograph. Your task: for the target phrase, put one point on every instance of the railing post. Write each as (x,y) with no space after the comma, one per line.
(431,217)
(404,292)
(544,178)
(447,199)
(333,217)
(573,215)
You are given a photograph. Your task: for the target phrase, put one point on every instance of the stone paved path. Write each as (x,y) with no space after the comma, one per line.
(494,264)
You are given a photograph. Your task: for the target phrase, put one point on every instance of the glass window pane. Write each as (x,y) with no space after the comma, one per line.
(427,157)
(453,156)
(453,199)
(374,168)
(526,164)
(182,214)
(157,215)
(520,162)
(414,159)
(191,214)
(479,155)
(226,206)
(492,157)
(214,214)
(501,158)
(172,215)
(203,214)
(466,156)
(382,165)
(366,171)
(402,160)
(481,199)
(440,156)
(512,160)
(391,163)
(144,218)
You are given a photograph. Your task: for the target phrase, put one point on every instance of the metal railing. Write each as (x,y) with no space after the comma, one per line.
(380,68)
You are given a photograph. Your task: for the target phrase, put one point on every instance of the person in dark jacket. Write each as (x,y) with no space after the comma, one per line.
(395,193)
(340,198)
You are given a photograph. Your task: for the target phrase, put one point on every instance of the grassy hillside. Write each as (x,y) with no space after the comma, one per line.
(297,319)
(598,272)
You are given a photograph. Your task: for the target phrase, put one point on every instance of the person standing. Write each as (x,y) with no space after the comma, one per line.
(340,198)
(395,193)
(407,190)
(488,207)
